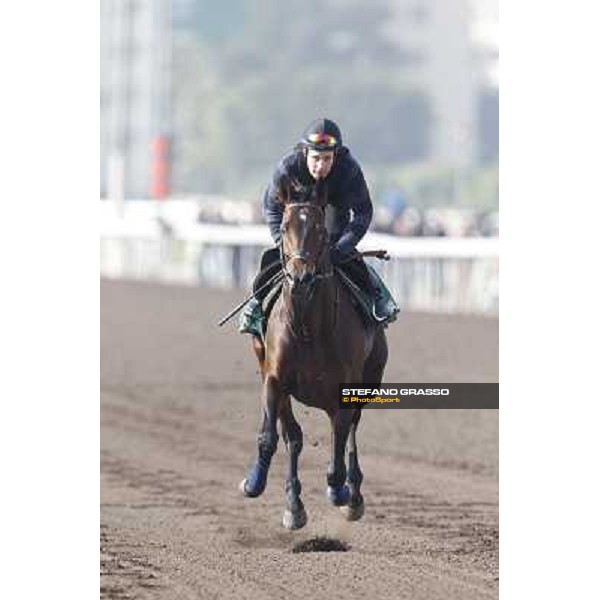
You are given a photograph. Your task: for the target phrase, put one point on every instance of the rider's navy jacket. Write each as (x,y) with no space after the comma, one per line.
(347,194)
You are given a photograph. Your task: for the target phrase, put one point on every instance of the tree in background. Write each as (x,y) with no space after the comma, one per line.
(250,76)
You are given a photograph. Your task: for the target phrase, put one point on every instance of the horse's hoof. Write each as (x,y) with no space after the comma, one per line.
(243,487)
(294,520)
(255,483)
(338,496)
(353,513)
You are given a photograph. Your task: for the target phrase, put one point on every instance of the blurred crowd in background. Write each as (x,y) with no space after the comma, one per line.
(400,219)
(437,222)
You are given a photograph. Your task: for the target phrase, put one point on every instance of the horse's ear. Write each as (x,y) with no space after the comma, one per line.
(321,191)
(284,191)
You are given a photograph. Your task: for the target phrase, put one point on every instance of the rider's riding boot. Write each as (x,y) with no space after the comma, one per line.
(251,318)
(379,304)
(383,308)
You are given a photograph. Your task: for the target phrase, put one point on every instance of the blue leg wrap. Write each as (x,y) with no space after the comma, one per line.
(256,480)
(338,495)
(257,477)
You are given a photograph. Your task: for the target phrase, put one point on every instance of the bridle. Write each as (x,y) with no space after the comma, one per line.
(309,286)
(304,254)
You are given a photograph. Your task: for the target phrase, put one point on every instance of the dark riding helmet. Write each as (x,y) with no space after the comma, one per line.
(321,135)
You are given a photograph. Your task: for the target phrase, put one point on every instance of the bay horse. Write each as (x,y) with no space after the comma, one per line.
(315,340)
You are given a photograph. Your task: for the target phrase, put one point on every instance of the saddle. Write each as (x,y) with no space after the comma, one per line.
(380,311)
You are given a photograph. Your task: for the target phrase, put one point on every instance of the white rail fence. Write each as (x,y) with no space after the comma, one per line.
(424,274)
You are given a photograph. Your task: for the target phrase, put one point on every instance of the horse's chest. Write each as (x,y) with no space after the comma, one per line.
(311,380)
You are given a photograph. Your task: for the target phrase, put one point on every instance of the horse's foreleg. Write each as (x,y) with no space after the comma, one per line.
(254,485)
(259,349)
(355,508)
(337,490)
(294,516)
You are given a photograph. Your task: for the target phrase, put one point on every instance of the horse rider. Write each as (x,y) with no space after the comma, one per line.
(321,155)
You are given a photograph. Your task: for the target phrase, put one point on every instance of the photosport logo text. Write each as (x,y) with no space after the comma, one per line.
(419,395)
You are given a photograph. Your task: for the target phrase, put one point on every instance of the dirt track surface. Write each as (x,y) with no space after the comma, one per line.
(180,411)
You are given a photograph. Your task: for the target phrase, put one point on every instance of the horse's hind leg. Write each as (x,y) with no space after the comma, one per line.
(294,516)
(254,485)
(355,508)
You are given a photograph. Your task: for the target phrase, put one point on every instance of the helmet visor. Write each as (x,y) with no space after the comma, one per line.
(322,139)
